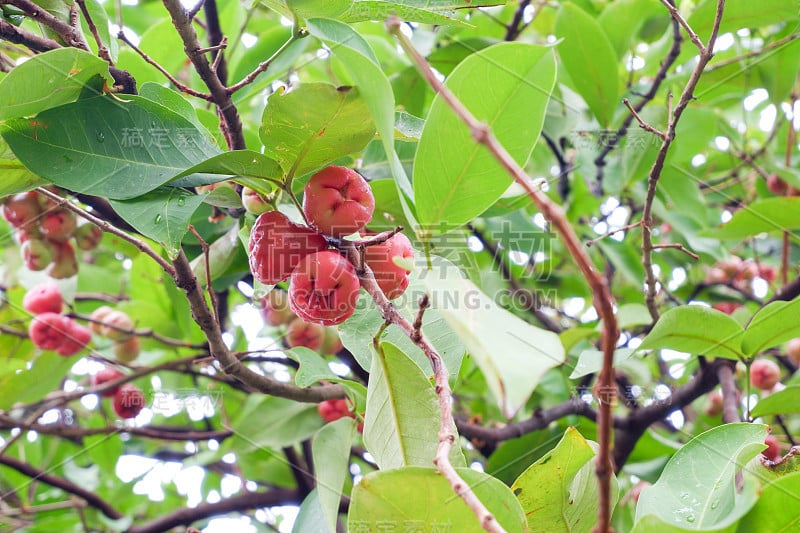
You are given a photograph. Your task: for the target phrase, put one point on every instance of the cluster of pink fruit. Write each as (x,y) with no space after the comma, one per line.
(331,410)
(324,285)
(49,329)
(44,230)
(739,273)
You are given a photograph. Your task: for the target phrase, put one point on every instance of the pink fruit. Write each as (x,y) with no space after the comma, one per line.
(75,340)
(300,333)
(773,451)
(36,254)
(253,202)
(391,277)
(277,246)
(47,330)
(338,201)
(275,308)
(127,350)
(21,209)
(58,225)
(44,298)
(324,288)
(330,410)
(88,237)
(332,343)
(726,307)
(104,376)
(65,263)
(764,374)
(117,325)
(793,350)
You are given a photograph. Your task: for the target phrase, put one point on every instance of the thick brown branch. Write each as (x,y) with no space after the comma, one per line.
(71,35)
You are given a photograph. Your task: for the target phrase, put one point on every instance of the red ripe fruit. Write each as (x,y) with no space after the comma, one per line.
(36,254)
(324,289)
(128,401)
(764,374)
(277,245)
(21,209)
(338,201)
(65,263)
(58,225)
(275,308)
(773,451)
(331,410)
(44,298)
(300,333)
(104,376)
(391,278)
(76,339)
(47,330)
(776,185)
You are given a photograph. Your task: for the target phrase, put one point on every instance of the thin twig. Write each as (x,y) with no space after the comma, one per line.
(102,51)
(642,124)
(264,65)
(692,35)
(172,79)
(207,263)
(603,300)
(677,246)
(70,35)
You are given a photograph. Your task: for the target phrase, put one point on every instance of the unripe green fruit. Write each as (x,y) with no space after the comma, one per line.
(253,202)
(88,237)
(118,326)
(128,350)
(65,263)
(100,315)
(36,254)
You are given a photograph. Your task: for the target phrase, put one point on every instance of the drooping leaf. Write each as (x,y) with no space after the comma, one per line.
(697,489)
(590,60)
(108,148)
(314,124)
(236,163)
(163,215)
(773,324)
(331,452)
(401,425)
(559,491)
(453,189)
(49,80)
(697,330)
(423,497)
(312,366)
(512,354)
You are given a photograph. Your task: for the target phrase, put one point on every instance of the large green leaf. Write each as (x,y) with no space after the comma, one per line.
(16,178)
(778,403)
(373,85)
(49,80)
(401,425)
(512,354)
(590,60)
(697,330)
(771,325)
(697,489)
(741,14)
(770,214)
(422,498)
(272,422)
(559,491)
(241,163)
(163,215)
(108,148)
(455,178)
(330,449)
(776,509)
(314,124)
(622,20)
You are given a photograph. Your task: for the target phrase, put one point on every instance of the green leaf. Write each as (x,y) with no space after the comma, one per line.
(401,425)
(221,252)
(49,80)
(310,517)
(697,489)
(741,14)
(244,163)
(172,100)
(622,20)
(163,215)
(381,9)
(776,509)
(778,403)
(374,87)
(318,8)
(272,422)
(44,376)
(314,124)
(590,60)
(16,178)
(773,324)
(768,215)
(453,189)
(330,449)
(422,498)
(512,354)
(697,330)
(591,361)
(104,147)
(313,367)
(559,491)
